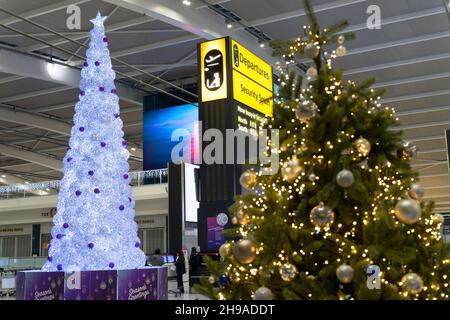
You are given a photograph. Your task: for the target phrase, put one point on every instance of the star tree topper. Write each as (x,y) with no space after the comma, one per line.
(98,20)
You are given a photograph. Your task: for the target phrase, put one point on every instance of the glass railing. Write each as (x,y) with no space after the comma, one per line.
(28,263)
(45,188)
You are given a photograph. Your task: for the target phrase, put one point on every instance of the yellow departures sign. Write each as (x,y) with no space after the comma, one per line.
(213,69)
(252,80)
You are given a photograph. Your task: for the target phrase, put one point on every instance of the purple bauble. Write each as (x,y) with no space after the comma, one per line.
(81,129)
(121,207)
(69,148)
(129,199)
(65,225)
(59,267)
(78,193)
(69,159)
(125,176)
(82,92)
(116,115)
(105,39)
(124,143)
(97,190)
(103,144)
(50,259)
(111,265)
(101,89)
(90,172)
(137,244)
(113,91)
(97,63)
(59,236)
(90,245)
(85,64)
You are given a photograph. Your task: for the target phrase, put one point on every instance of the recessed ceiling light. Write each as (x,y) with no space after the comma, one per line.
(187,3)
(26,182)
(229,25)
(3,176)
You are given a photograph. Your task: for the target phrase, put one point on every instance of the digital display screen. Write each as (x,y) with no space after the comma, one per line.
(160,124)
(168,258)
(191,204)
(216,237)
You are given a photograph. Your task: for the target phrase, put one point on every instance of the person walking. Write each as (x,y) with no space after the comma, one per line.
(195,262)
(180,267)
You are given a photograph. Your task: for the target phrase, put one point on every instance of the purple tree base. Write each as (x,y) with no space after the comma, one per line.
(148,283)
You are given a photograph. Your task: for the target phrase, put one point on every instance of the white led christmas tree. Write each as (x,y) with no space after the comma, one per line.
(94,228)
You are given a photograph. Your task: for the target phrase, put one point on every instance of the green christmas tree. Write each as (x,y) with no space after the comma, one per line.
(345,203)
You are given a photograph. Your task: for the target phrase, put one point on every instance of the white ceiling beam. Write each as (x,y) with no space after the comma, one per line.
(415,96)
(33,94)
(113,27)
(34,120)
(56,6)
(205,24)
(415,112)
(32,67)
(421,125)
(399,82)
(399,63)
(10,79)
(30,156)
(148,47)
(302,13)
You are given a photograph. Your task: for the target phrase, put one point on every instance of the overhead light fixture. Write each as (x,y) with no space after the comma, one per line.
(133,149)
(3,176)
(187,3)
(229,24)
(26,182)
(261,44)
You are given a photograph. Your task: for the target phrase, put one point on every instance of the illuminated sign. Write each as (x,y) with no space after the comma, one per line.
(213,70)
(252,80)
(252,94)
(252,66)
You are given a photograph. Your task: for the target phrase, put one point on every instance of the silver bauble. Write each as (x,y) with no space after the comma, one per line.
(341,51)
(306,110)
(263,293)
(291,170)
(288,272)
(416,192)
(244,251)
(344,273)
(321,216)
(412,283)
(341,39)
(312,73)
(345,178)
(408,151)
(312,177)
(248,179)
(408,211)
(363,146)
(311,50)
(225,250)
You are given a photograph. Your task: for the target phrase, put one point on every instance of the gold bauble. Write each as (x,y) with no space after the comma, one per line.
(244,251)
(363,146)
(305,110)
(242,217)
(288,272)
(311,50)
(341,51)
(248,179)
(291,170)
(225,250)
(438,218)
(211,280)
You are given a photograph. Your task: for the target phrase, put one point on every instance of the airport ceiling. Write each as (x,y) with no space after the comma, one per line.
(154,43)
